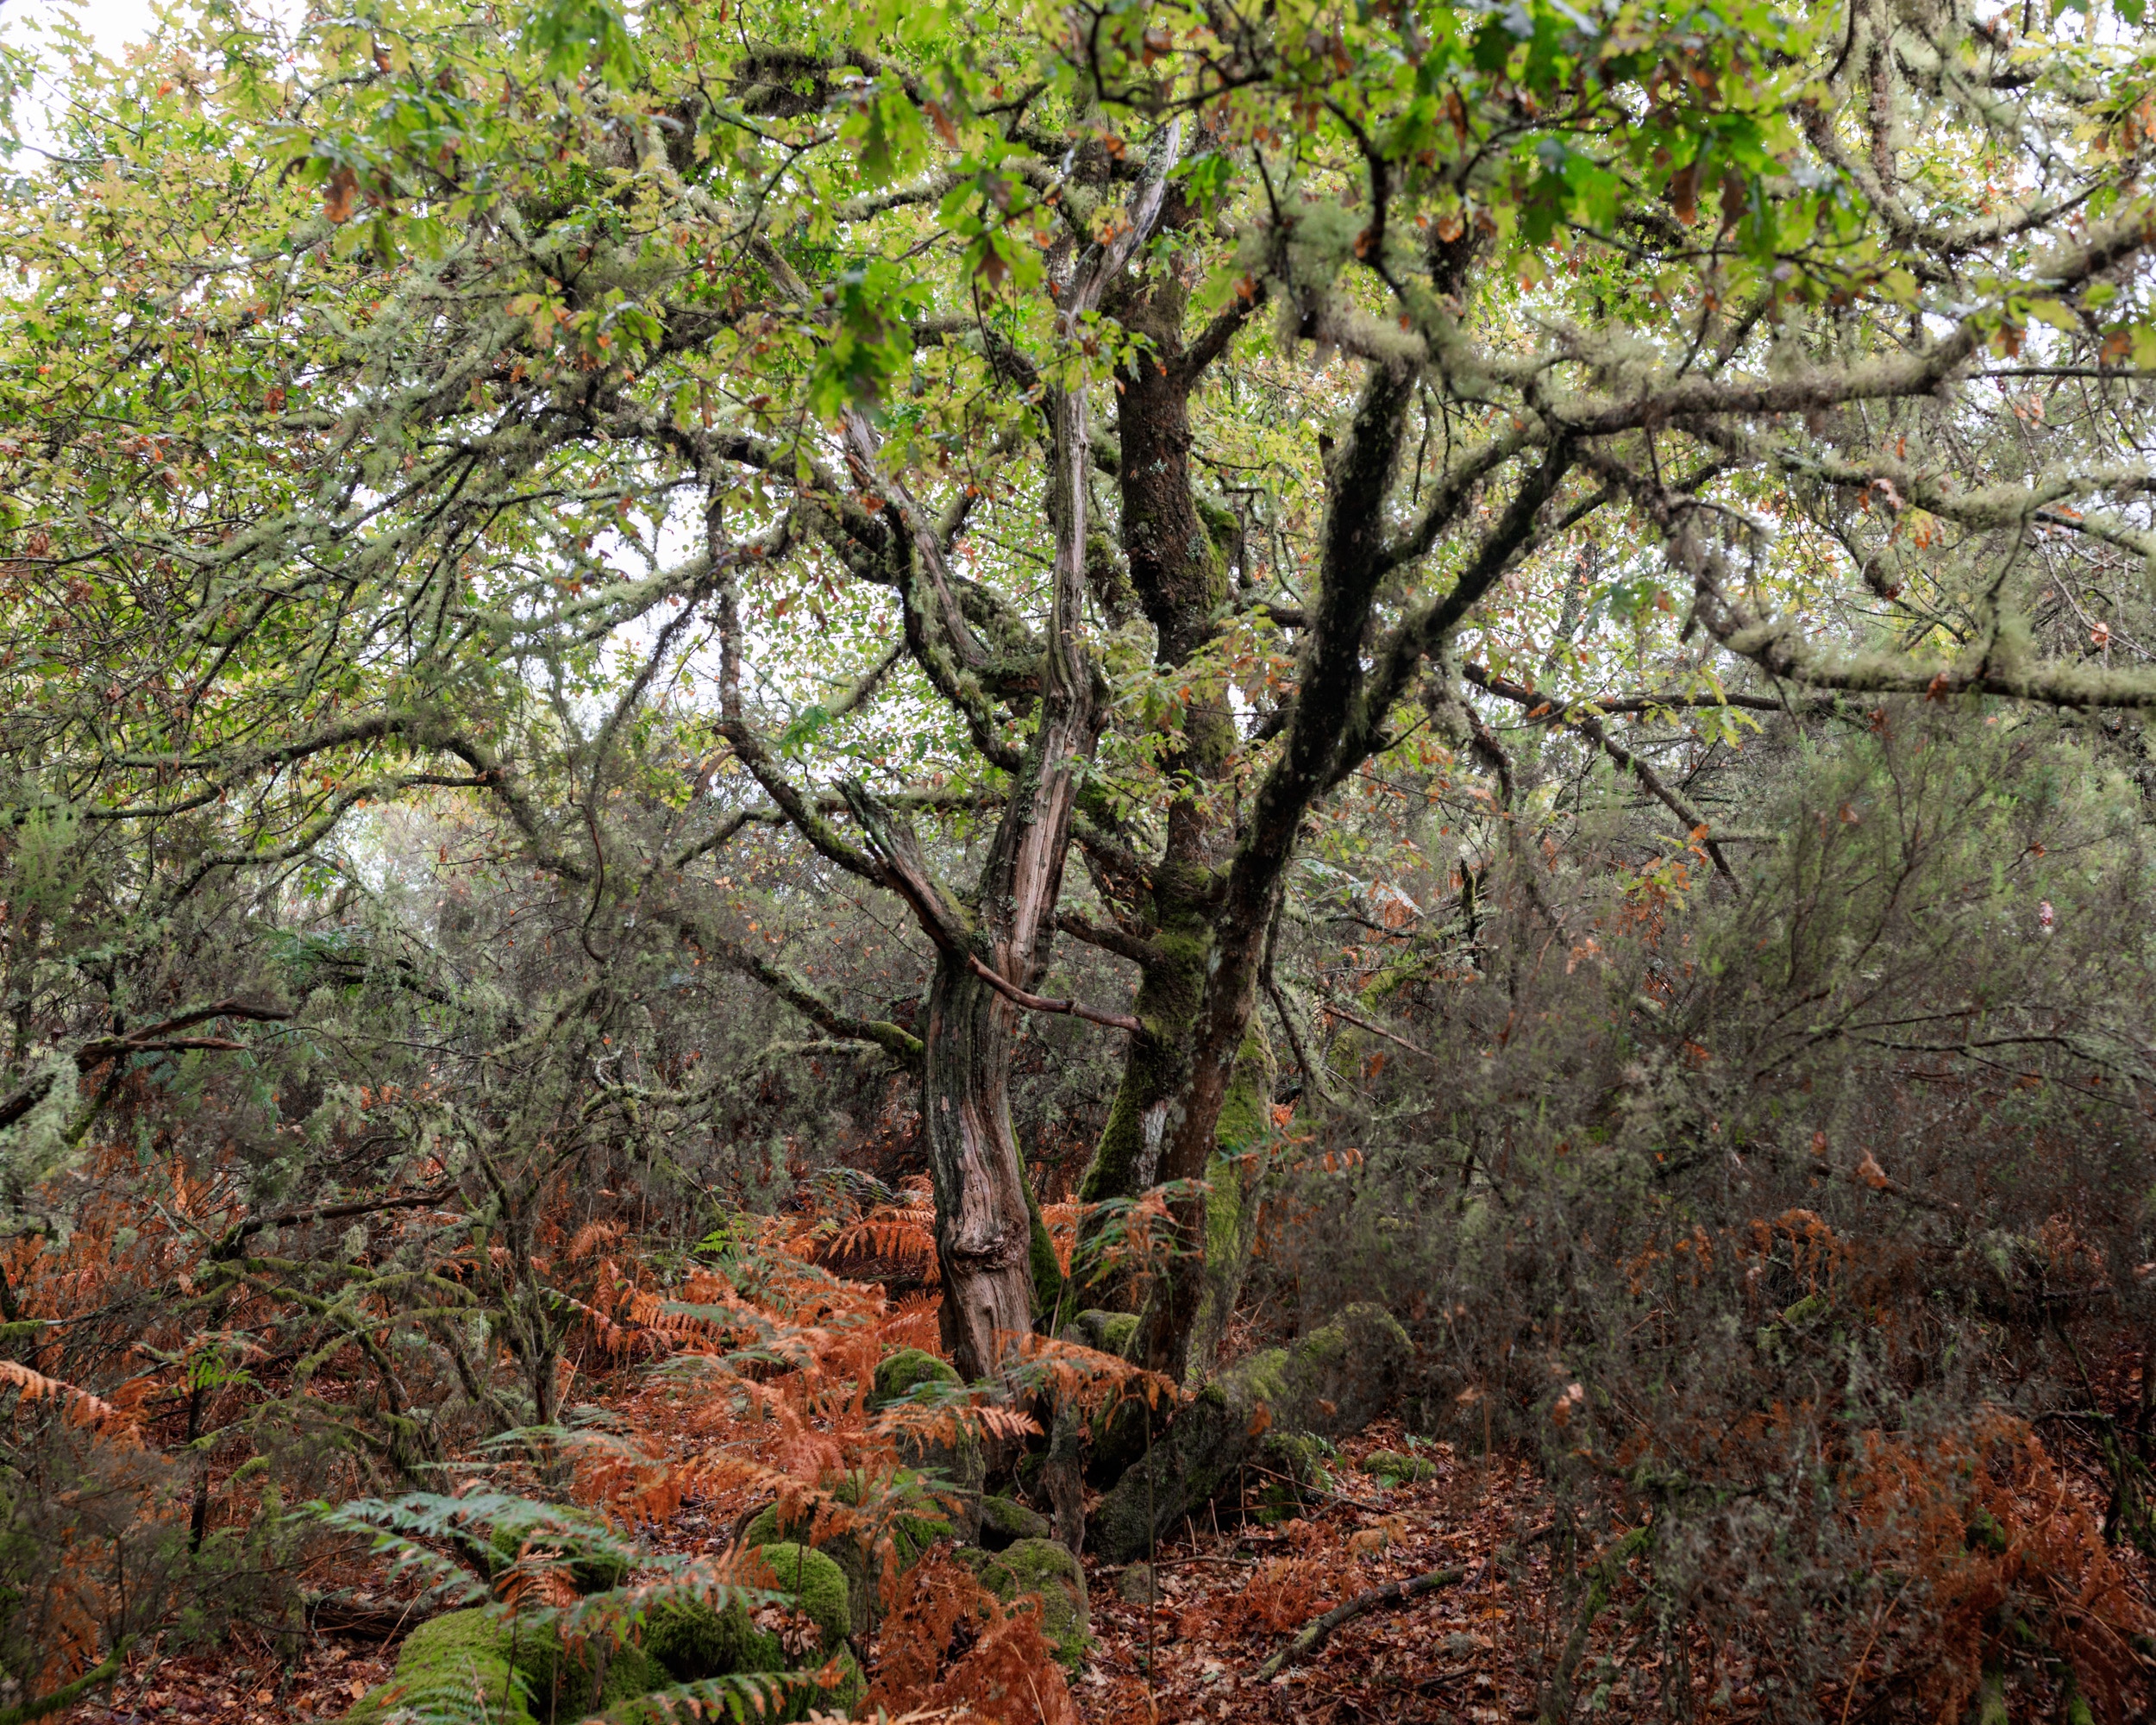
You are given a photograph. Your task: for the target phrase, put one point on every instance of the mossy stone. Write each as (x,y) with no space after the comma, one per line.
(692,1638)
(1004,1520)
(1109,1332)
(793,1701)
(957,1466)
(1393,1467)
(1304,1458)
(1333,1380)
(1045,1567)
(1299,1467)
(817,1585)
(902,1372)
(630,1672)
(764,1526)
(456,1659)
(592,1566)
(450,1662)
(844,1695)
(912,1534)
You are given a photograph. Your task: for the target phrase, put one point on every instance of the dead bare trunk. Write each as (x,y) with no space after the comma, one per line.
(994,1254)
(983,1223)
(988,1237)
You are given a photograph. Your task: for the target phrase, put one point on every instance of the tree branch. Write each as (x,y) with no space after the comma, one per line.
(1039,1003)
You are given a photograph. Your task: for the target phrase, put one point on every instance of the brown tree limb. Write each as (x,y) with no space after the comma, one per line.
(1316,1635)
(1041,1003)
(237,1234)
(895,1039)
(158,1036)
(1133,947)
(1591,728)
(1360,1023)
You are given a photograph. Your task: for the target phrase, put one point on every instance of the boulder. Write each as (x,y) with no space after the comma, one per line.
(1109,1331)
(1391,1467)
(692,1640)
(460,1658)
(596,1556)
(1297,1472)
(451,1661)
(918,1522)
(817,1586)
(957,1466)
(1332,1382)
(1045,1567)
(518,1671)
(902,1373)
(1005,1519)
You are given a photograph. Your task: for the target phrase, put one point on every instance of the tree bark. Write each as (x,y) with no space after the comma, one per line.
(997,1264)
(994,1254)
(1330,684)
(1179,573)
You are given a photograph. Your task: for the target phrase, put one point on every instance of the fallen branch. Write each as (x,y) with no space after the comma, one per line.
(159,1037)
(358,1614)
(236,1235)
(1315,1635)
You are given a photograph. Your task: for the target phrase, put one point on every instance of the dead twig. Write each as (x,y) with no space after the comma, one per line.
(1313,1636)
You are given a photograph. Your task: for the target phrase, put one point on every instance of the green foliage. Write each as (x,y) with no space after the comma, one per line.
(1759,1187)
(516,533)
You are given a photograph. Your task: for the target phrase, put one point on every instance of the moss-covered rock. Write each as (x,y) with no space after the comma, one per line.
(1332,1382)
(902,1373)
(692,1638)
(1392,1467)
(597,1564)
(956,1467)
(1004,1520)
(691,1641)
(1116,1435)
(845,1694)
(580,1681)
(783,1702)
(1047,1568)
(453,1662)
(915,1523)
(1304,1456)
(1297,1471)
(517,1670)
(766,1525)
(817,1585)
(1109,1332)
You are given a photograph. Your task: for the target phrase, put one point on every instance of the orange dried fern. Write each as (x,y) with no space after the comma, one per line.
(951,1644)
(83,1408)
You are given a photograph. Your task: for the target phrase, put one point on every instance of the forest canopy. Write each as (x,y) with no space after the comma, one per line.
(770,773)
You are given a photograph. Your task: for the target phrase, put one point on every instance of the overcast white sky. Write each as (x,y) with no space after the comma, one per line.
(113,22)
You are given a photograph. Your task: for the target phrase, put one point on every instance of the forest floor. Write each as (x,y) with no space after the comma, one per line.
(1227,1597)
(1229,1592)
